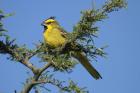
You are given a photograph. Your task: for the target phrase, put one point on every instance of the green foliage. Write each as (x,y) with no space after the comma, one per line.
(7,45)
(64,87)
(2,16)
(17,53)
(73,88)
(113,5)
(61,61)
(64,64)
(2,30)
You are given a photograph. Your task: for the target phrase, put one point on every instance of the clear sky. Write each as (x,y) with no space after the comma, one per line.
(120,71)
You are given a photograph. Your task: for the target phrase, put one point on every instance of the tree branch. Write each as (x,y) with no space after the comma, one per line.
(30,66)
(41,70)
(27,88)
(35,79)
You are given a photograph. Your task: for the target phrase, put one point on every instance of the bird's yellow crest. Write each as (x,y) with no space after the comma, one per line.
(50,21)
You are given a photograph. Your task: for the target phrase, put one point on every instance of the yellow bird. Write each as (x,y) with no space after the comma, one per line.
(56,37)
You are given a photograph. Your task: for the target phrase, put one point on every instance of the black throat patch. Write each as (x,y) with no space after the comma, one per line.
(45,28)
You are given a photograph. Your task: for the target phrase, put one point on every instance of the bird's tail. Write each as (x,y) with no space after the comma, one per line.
(85,62)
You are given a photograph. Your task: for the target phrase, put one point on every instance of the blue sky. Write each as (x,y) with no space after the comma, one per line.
(120,71)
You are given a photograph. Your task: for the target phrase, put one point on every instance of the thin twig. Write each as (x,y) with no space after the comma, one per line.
(41,70)
(15,91)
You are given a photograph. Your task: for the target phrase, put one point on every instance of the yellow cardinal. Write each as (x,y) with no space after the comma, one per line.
(56,37)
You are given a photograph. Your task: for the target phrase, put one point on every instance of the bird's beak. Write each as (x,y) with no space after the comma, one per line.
(43,24)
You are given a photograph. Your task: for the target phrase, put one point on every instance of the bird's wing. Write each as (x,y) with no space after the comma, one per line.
(63,32)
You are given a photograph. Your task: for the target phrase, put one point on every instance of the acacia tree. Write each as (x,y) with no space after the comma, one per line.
(59,59)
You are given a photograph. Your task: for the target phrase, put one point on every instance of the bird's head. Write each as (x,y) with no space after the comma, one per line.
(50,22)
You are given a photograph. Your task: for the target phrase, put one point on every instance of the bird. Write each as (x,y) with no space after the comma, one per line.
(55,37)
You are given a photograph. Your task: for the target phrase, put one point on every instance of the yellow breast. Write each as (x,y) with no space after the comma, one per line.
(53,37)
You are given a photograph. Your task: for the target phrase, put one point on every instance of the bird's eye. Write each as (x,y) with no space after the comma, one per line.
(48,23)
